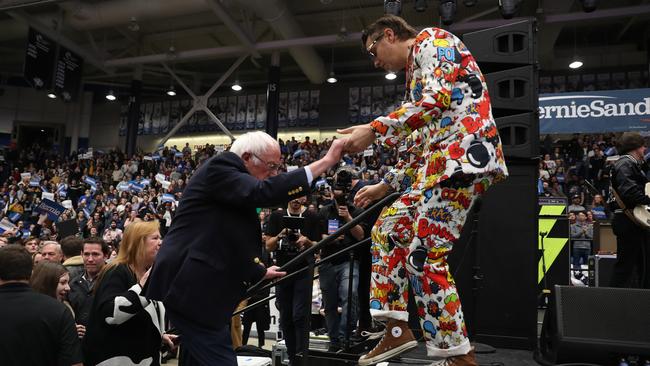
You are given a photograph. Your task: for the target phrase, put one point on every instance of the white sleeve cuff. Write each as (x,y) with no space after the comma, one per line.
(310,176)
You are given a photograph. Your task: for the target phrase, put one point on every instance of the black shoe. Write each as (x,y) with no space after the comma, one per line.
(334,348)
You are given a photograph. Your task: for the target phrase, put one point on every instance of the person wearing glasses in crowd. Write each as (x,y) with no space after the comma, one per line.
(456,156)
(211,253)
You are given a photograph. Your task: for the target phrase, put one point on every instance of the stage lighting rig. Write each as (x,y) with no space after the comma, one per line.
(393,7)
(447,10)
(589,5)
(420,5)
(508,8)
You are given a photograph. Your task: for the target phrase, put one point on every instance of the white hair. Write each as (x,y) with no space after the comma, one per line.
(256,142)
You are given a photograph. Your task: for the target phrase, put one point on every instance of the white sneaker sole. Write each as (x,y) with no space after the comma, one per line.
(388,354)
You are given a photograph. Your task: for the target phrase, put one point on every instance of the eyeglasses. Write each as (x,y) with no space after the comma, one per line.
(371,53)
(274,167)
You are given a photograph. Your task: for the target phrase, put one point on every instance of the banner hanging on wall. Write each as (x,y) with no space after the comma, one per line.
(595,112)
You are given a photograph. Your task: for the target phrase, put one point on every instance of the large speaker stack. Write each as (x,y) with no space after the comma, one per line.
(498,284)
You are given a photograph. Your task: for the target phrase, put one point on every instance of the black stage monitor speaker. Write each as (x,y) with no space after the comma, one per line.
(519,135)
(514,44)
(514,89)
(597,325)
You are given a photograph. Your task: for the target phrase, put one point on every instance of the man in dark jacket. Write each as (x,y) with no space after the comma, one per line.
(628,180)
(36,329)
(94,252)
(211,253)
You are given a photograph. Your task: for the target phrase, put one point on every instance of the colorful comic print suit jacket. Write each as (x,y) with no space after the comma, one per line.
(446,112)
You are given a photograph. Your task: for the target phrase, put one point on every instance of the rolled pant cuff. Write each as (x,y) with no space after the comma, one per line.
(462,349)
(389,314)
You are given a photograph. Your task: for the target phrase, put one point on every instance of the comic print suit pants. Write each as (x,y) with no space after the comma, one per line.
(410,244)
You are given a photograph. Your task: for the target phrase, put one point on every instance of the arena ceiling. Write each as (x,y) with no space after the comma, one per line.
(201,39)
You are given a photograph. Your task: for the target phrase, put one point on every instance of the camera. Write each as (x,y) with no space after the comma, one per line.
(288,246)
(343,183)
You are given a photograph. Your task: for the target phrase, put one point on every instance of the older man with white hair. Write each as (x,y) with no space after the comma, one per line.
(51,251)
(211,253)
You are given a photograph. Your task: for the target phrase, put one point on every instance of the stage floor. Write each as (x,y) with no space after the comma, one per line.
(500,356)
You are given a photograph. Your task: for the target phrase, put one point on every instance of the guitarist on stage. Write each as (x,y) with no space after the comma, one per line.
(628,180)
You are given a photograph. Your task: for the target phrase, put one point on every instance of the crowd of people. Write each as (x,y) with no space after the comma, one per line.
(106,196)
(105,193)
(578,169)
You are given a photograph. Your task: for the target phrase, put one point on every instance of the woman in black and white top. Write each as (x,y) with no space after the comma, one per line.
(124,327)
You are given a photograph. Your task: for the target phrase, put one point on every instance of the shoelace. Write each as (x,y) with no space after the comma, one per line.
(373,335)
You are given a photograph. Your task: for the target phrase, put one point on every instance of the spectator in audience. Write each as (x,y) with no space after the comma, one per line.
(71,247)
(95,253)
(575,205)
(120,314)
(51,251)
(3,241)
(335,273)
(36,329)
(582,233)
(598,208)
(113,234)
(53,279)
(32,245)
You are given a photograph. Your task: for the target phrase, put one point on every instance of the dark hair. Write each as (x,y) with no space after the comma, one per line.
(629,141)
(97,240)
(71,246)
(400,27)
(15,263)
(46,277)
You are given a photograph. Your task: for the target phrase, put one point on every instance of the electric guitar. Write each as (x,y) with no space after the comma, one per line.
(640,214)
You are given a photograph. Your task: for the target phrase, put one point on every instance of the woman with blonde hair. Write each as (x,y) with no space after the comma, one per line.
(120,313)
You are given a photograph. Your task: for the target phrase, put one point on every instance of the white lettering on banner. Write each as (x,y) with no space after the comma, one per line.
(595,109)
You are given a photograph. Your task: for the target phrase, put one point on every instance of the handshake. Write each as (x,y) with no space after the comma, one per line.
(360,137)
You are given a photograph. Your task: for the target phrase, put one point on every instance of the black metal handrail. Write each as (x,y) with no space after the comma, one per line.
(264,284)
(303,269)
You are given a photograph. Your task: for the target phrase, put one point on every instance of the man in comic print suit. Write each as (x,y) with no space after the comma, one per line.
(455,157)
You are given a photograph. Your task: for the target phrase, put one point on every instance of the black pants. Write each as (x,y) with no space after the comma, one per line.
(632,254)
(365,269)
(201,346)
(294,303)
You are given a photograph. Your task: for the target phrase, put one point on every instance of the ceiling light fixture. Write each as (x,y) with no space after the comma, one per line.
(332,78)
(110,96)
(236,87)
(171,92)
(576,64)
(447,10)
(391,76)
(51,95)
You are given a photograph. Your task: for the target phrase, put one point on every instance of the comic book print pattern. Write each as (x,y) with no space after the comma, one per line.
(448,104)
(410,243)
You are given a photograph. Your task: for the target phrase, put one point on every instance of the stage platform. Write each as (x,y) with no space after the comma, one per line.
(499,356)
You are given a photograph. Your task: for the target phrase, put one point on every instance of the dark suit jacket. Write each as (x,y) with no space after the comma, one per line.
(210,254)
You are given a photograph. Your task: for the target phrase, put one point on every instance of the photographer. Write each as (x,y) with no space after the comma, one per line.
(335,273)
(293,295)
